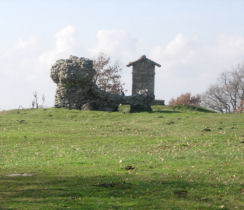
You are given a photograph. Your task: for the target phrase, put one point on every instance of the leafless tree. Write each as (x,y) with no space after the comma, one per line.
(107,75)
(214,99)
(33,104)
(228,93)
(35,100)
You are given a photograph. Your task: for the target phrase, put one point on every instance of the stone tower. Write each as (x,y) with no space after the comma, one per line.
(143,74)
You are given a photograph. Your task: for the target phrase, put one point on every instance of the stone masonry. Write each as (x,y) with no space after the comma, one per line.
(143,75)
(76,89)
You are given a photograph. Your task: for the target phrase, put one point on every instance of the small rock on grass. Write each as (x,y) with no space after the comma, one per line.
(130,167)
(105,185)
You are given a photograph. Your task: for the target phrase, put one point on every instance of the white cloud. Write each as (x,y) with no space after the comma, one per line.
(66,44)
(177,45)
(19,75)
(24,44)
(66,39)
(116,43)
(179,51)
(15,60)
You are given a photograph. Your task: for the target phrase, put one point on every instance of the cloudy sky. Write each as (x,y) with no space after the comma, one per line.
(193,40)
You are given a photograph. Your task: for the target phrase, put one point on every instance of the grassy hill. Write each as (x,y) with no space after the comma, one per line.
(167,159)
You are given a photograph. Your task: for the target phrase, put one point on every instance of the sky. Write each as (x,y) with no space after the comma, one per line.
(193,40)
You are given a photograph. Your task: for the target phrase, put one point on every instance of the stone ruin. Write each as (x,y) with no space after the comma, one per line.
(143,77)
(76,89)
(143,74)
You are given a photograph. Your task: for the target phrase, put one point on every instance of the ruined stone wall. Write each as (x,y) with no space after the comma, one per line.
(73,77)
(158,102)
(76,89)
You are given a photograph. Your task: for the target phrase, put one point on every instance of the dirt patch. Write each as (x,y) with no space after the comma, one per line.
(20,121)
(182,193)
(206,130)
(170,123)
(122,185)
(107,185)
(16,175)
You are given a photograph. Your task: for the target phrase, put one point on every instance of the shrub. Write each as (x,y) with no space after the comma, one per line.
(185,100)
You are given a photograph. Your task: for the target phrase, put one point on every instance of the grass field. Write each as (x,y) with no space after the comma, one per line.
(166,159)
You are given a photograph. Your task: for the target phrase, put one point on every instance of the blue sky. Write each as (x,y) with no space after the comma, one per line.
(194,41)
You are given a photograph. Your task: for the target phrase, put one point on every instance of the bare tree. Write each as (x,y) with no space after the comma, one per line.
(228,94)
(107,75)
(35,100)
(33,104)
(214,99)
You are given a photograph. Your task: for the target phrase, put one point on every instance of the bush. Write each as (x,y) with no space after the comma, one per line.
(185,100)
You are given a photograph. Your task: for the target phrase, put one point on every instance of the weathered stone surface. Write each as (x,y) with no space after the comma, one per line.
(76,90)
(158,102)
(143,74)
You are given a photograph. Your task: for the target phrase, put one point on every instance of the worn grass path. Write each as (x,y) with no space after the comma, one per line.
(166,159)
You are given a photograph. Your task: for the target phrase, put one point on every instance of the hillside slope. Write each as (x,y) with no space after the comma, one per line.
(166,159)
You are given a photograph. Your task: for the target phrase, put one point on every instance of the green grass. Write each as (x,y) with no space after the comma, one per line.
(78,159)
